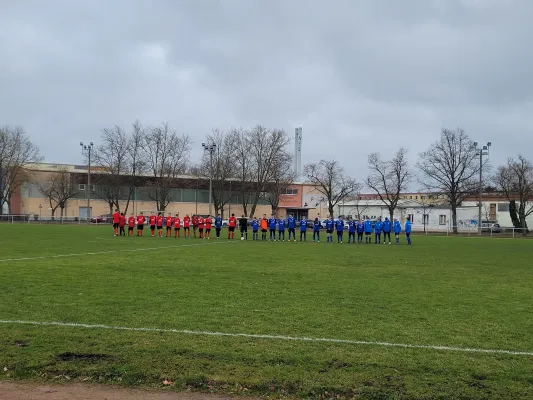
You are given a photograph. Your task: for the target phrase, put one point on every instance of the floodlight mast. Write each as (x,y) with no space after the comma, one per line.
(210,147)
(87,151)
(481,151)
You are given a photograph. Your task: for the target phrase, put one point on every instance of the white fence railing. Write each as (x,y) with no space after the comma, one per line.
(36,219)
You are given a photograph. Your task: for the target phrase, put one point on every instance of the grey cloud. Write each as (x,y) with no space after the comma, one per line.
(358,76)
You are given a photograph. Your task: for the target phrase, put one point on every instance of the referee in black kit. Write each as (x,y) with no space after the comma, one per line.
(243,224)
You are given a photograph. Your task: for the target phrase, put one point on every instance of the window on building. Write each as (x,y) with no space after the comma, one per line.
(425,219)
(442,219)
(81,186)
(290,191)
(411,197)
(411,217)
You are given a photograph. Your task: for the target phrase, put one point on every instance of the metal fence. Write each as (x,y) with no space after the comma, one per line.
(36,219)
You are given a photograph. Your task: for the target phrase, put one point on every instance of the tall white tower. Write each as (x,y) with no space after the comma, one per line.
(298,152)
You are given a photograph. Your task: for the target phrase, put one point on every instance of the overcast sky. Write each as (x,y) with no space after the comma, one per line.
(358,76)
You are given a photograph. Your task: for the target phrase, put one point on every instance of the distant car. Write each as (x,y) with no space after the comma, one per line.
(495,228)
(102,219)
(225,222)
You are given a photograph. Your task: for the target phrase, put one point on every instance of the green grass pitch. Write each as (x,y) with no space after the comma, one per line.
(442,291)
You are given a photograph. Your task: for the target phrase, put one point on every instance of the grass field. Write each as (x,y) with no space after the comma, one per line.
(471,293)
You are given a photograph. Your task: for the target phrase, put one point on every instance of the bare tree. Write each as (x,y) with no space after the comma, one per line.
(450,167)
(16,152)
(425,209)
(329,179)
(222,165)
(268,150)
(112,157)
(389,178)
(58,190)
(243,165)
(167,155)
(282,177)
(360,205)
(515,180)
(137,162)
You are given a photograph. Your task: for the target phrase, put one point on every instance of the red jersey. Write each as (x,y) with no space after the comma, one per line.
(169,222)
(122,220)
(131,222)
(116,218)
(159,220)
(201,223)
(152,220)
(140,220)
(195,221)
(208,223)
(177,222)
(186,222)
(232,222)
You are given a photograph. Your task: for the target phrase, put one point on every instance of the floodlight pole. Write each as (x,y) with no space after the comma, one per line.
(211,149)
(481,151)
(87,151)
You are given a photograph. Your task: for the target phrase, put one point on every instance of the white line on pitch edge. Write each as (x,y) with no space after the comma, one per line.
(105,252)
(273,337)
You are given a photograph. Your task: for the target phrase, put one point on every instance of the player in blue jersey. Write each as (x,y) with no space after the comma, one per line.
(368,231)
(360,231)
(291,224)
(339,226)
(378,227)
(408,230)
(255,229)
(352,226)
(397,230)
(316,230)
(303,229)
(329,230)
(387,227)
(272,222)
(281,229)
(218,225)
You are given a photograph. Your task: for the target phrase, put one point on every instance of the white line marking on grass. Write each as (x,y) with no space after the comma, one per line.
(104,252)
(273,337)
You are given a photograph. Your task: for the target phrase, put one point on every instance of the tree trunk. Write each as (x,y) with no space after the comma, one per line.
(454,218)
(391,214)
(330,209)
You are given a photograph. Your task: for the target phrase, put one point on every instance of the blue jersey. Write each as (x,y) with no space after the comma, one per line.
(316,225)
(368,226)
(351,226)
(339,225)
(218,222)
(397,227)
(387,226)
(281,225)
(255,225)
(360,227)
(329,225)
(303,225)
(291,222)
(407,226)
(272,223)
(378,226)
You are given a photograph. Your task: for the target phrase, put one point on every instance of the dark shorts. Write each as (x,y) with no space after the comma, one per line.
(201,229)
(329,231)
(272,229)
(152,227)
(244,229)
(130,228)
(231,229)
(368,233)
(140,227)
(186,228)
(407,234)
(159,228)
(359,233)
(263,230)
(340,232)
(177,229)
(195,227)
(218,229)
(208,229)
(115,225)
(169,228)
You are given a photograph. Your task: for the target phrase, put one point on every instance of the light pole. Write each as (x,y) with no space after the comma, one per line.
(86,150)
(481,151)
(211,149)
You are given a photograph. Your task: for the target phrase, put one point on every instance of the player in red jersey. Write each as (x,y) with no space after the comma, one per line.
(187,227)
(208,223)
(201,223)
(122,224)
(177,226)
(168,225)
(232,223)
(194,224)
(140,224)
(159,224)
(116,222)
(153,222)
(131,224)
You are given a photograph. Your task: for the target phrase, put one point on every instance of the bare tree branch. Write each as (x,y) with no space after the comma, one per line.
(58,190)
(389,178)
(329,179)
